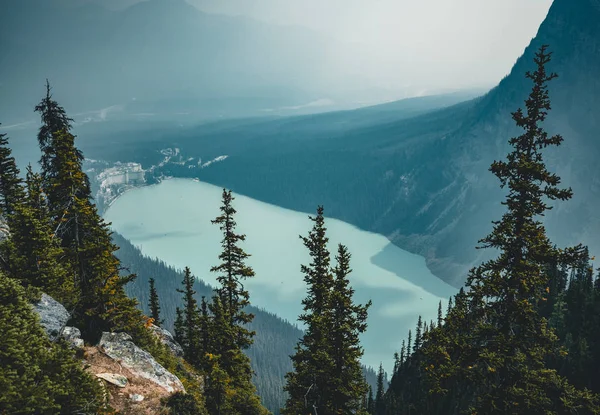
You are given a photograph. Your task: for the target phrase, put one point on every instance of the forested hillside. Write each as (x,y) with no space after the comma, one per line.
(275,338)
(522,338)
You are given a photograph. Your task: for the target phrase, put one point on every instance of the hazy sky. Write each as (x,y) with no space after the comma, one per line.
(405,42)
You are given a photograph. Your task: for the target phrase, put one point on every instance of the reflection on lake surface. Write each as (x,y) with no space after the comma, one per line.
(171,221)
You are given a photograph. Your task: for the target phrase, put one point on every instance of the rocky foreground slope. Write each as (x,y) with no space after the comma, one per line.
(133,381)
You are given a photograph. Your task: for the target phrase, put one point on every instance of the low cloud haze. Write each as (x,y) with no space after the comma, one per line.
(243,57)
(429,43)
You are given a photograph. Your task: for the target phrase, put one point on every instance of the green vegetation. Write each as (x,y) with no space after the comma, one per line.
(327,378)
(496,352)
(59,244)
(214,334)
(37,376)
(154,304)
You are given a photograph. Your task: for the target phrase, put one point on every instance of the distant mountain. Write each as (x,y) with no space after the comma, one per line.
(164,54)
(423,181)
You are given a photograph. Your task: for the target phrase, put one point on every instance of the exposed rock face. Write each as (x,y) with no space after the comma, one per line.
(167,339)
(119,347)
(73,336)
(53,316)
(114,379)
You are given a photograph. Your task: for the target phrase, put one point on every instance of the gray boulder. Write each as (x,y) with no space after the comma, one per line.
(119,347)
(167,339)
(73,336)
(136,397)
(53,316)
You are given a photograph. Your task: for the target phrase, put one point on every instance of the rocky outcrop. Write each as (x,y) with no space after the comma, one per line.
(53,316)
(168,340)
(119,347)
(126,391)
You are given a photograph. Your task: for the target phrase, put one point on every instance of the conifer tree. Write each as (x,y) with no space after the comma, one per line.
(206,332)
(179,327)
(418,334)
(11,191)
(54,121)
(379,395)
(403,352)
(188,327)
(154,304)
(499,365)
(365,402)
(36,257)
(396,362)
(371,402)
(348,322)
(440,317)
(229,388)
(228,331)
(36,375)
(85,237)
(449,308)
(308,385)
(233,271)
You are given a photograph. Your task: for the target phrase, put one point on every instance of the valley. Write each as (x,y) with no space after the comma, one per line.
(171,221)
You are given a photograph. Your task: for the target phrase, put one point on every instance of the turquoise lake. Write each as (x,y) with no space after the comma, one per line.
(171,221)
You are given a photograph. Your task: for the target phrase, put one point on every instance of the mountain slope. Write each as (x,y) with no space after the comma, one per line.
(424,181)
(157,51)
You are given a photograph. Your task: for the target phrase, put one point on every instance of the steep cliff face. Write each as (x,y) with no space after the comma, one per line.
(469,198)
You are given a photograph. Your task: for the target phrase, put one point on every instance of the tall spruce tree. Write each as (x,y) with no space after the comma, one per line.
(85,237)
(228,331)
(154,304)
(497,364)
(348,322)
(308,386)
(54,121)
(233,271)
